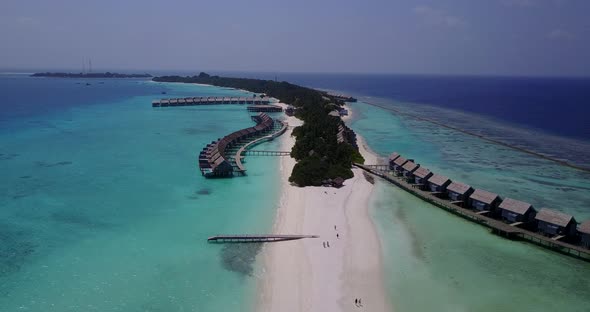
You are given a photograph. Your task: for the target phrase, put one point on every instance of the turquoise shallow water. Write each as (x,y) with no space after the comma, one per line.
(435,261)
(103,208)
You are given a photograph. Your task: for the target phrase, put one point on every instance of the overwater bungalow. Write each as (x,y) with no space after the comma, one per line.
(438,183)
(408,169)
(420,176)
(459,193)
(553,223)
(482,200)
(392,158)
(513,210)
(398,165)
(584,231)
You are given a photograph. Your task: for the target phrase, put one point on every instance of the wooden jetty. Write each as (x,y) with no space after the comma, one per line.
(266,153)
(511,230)
(263,238)
(268,108)
(238,158)
(209,100)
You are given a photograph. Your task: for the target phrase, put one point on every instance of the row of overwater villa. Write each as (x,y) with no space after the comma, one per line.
(214,160)
(553,224)
(507,217)
(209,100)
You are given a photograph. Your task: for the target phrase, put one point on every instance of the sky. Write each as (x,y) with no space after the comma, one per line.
(473,37)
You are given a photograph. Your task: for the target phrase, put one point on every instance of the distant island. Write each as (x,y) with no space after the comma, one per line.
(91,75)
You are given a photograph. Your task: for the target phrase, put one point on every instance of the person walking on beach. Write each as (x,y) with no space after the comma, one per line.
(356,302)
(337,236)
(328,244)
(324,244)
(334,228)
(360,304)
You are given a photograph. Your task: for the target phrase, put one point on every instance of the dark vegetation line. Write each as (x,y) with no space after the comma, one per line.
(90,75)
(318,153)
(524,150)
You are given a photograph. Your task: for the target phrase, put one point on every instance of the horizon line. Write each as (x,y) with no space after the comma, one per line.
(278,72)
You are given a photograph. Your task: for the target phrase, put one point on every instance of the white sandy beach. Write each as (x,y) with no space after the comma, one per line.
(303,275)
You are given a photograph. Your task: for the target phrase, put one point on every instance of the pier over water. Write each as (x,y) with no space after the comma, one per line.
(256,238)
(505,217)
(209,100)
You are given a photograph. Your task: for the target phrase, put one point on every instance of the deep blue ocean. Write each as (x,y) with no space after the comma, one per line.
(559,106)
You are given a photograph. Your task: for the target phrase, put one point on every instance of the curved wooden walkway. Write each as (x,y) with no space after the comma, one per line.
(270,137)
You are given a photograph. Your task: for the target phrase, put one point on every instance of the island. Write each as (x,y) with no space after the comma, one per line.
(90,75)
(325,148)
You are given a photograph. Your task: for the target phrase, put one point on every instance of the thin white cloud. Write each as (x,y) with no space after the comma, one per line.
(438,17)
(560,34)
(531,3)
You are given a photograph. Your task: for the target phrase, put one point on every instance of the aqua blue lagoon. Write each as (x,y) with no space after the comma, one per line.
(103,207)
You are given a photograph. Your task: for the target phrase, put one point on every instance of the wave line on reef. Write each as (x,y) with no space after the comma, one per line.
(524,150)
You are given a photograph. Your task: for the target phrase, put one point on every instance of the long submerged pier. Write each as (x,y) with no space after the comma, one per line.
(264,238)
(509,218)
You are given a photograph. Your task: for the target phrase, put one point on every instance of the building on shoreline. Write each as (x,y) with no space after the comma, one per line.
(290,110)
(513,210)
(552,223)
(482,200)
(392,158)
(398,164)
